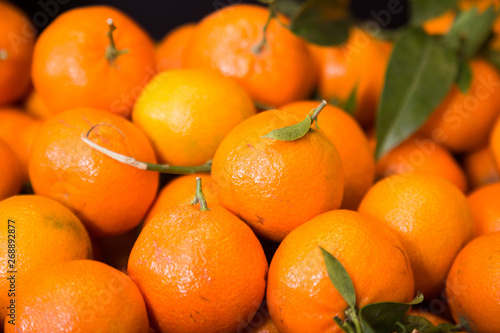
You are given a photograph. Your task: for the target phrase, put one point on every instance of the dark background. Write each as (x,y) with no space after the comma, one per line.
(160,16)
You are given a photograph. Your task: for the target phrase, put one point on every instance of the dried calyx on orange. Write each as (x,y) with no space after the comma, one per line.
(378,317)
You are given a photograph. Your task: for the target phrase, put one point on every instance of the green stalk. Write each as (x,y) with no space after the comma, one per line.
(257,49)
(315,113)
(199,197)
(130,161)
(111,51)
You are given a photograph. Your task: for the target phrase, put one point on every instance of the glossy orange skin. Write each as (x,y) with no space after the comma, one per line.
(199,271)
(432,219)
(186,114)
(70,68)
(171,50)
(352,145)
(11,177)
(181,191)
(300,295)
(281,73)
(80,296)
(47,233)
(485,209)
(462,122)
(480,168)
(472,285)
(361,63)
(17,39)
(109,197)
(18,131)
(273,185)
(423,156)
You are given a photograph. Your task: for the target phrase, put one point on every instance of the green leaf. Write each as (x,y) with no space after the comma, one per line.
(411,323)
(464,324)
(464,78)
(340,278)
(470,31)
(382,317)
(419,75)
(323,22)
(351,103)
(422,325)
(291,133)
(289,8)
(341,324)
(296,131)
(423,10)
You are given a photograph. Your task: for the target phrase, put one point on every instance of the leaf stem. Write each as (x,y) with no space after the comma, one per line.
(316,111)
(199,197)
(3,54)
(349,328)
(130,161)
(111,52)
(257,49)
(357,325)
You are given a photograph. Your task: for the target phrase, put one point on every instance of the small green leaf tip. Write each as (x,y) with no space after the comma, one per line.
(296,131)
(339,277)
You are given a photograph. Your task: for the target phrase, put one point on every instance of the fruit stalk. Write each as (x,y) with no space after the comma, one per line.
(111,51)
(257,49)
(200,197)
(130,161)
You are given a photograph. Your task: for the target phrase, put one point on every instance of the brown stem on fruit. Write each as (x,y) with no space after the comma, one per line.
(199,197)
(257,49)
(111,52)
(3,54)
(130,161)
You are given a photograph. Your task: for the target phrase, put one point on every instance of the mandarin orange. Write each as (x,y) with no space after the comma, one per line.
(80,296)
(300,295)
(17,39)
(472,284)
(279,72)
(432,218)
(171,50)
(36,233)
(199,270)
(186,114)
(91,70)
(109,197)
(275,185)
